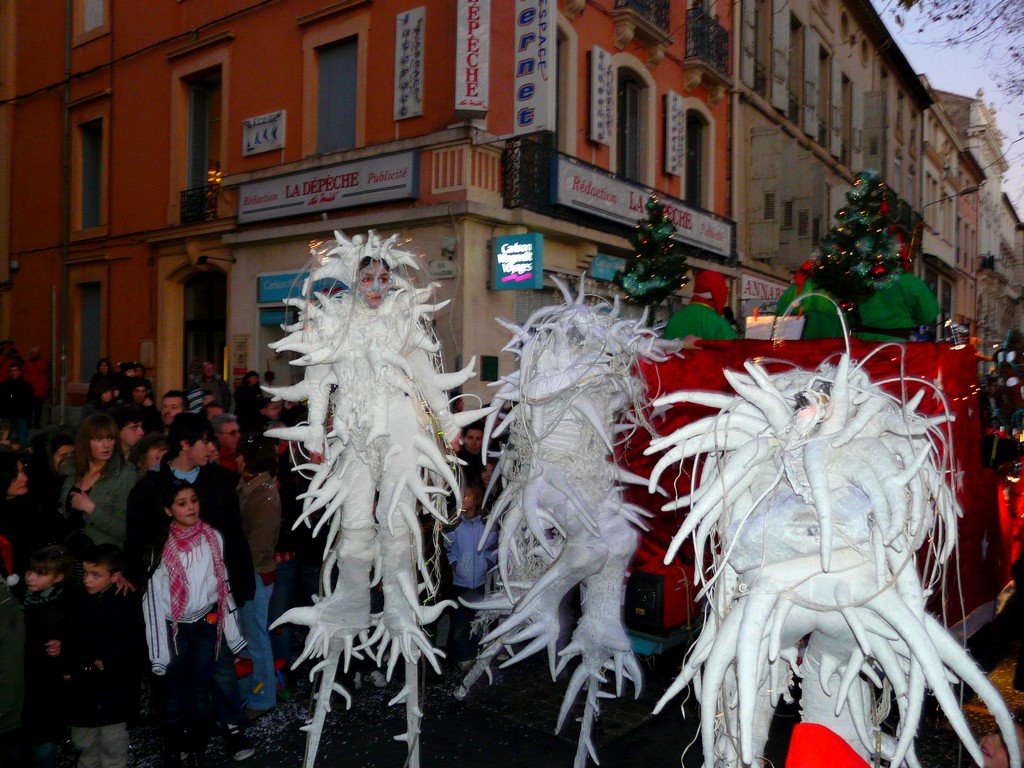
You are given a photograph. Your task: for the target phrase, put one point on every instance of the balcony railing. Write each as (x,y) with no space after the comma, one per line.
(653,11)
(822,131)
(199,204)
(707,39)
(526,182)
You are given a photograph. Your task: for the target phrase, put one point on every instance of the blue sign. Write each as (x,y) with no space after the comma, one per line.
(605,267)
(279,286)
(518,262)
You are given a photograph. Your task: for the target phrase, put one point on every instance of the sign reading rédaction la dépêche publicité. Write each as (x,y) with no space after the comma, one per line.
(518,262)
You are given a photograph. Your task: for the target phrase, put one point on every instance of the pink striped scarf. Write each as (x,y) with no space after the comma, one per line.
(180,542)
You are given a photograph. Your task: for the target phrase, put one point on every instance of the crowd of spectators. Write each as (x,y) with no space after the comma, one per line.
(154,547)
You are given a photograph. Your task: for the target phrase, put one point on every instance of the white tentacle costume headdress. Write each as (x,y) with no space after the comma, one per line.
(814,492)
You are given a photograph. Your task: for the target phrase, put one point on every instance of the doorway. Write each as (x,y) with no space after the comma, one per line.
(206,302)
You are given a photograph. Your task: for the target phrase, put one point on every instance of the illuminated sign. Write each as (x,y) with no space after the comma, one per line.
(518,262)
(605,267)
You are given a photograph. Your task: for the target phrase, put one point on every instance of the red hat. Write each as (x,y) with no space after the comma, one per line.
(816,746)
(710,288)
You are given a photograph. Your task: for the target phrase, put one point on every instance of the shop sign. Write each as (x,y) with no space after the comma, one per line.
(263,133)
(605,267)
(591,191)
(535,67)
(409,43)
(760,291)
(518,262)
(442,269)
(279,286)
(675,133)
(360,182)
(472,48)
(602,95)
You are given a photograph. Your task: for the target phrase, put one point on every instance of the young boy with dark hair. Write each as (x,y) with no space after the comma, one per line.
(102,655)
(45,613)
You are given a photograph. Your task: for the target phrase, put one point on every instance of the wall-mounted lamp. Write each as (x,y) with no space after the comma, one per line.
(201,260)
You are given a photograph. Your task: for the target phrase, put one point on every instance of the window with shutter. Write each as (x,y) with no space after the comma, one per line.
(802,221)
(769,206)
(336,96)
(787,214)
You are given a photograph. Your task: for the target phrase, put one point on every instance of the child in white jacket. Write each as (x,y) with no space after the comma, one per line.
(190,619)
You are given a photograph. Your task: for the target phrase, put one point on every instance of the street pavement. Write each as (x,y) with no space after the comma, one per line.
(511,723)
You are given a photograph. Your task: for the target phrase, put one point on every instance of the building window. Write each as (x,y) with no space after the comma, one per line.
(203,150)
(763,46)
(90,318)
(846,126)
(94,14)
(91,135)
(629,125)
(337,71)
(796,69)
(824,95)
(697,146)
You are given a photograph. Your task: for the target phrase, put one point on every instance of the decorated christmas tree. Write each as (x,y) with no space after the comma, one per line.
(864,251)
(656,268)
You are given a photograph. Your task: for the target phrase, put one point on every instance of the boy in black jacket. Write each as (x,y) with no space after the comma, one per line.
(45,615)
(102,659)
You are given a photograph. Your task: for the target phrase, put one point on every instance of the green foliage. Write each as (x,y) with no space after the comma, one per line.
(862,253)
(657,267)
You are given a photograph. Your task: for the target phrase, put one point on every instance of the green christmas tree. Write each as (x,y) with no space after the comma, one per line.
(657,267)
(863,252)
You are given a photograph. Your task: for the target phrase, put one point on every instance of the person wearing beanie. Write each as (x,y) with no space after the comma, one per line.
(702,317)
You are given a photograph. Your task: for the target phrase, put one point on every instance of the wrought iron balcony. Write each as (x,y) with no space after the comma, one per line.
(707,40)
(199,204)
(654,12)
(646,21)
(822,131)
(793,113)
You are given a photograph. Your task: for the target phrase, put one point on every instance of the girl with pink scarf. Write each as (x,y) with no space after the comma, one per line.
(190,619)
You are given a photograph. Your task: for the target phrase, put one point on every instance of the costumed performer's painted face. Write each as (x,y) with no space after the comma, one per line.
(373,282)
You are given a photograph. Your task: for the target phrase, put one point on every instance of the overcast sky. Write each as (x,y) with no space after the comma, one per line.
(963,70)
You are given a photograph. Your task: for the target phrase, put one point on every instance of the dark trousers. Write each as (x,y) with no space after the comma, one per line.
(190,680)
(462,645)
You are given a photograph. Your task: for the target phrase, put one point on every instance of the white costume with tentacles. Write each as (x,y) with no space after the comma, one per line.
(816,492)
(562,518)
(379,420)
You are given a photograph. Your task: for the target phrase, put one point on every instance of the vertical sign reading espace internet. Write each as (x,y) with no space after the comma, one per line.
(535,67)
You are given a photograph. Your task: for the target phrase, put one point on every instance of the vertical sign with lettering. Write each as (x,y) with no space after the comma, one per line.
(409,31)
(472,49)
(602,95)
(534,76)
(675,134)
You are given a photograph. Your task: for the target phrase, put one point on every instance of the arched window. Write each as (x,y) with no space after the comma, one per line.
(697,166)
(629,125)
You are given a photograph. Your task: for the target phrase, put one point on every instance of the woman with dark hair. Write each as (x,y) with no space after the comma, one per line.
(105,374)
(16,519)
(50,451)
(96,487)
(101,398)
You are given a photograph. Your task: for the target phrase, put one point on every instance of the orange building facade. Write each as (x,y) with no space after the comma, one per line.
(171,161)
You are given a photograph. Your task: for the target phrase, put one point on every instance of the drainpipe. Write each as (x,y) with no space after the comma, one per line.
(65,211)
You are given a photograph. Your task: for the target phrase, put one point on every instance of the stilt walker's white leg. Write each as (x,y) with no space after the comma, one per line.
(413,715)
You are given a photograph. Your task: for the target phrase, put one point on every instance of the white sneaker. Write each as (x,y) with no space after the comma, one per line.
(377,678)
